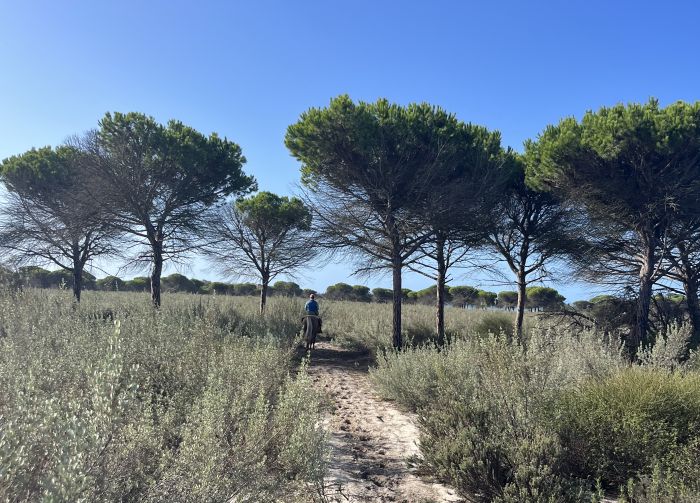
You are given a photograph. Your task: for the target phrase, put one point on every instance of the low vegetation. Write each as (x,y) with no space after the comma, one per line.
(192,402)
(562,417)
(365,325)
(199,401)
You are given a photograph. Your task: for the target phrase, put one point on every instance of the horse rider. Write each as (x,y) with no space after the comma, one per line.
(311,306)
(311,322)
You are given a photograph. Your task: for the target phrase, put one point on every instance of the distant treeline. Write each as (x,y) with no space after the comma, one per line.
(539,298)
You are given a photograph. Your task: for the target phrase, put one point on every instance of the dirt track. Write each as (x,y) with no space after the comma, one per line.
(371,441)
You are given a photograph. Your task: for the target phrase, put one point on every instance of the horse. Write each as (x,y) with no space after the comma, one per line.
(311,327)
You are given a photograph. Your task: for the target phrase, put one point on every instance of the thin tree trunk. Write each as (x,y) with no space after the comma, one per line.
(521,278)
(520,307)
(156,271)
(77,283)
(77,273)
(440,291)
(396,266)
(396,318)
(265,280)
(639,334)
(690,287)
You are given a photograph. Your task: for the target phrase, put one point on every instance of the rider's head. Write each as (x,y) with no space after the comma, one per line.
(312,296)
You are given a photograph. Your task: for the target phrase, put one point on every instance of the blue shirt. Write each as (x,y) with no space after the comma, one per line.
(311,307)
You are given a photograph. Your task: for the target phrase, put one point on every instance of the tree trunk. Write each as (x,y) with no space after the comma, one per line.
(440,300)
(156,270)
(396,319)
(396,266)
(520,307)
(639,334)
(521,278)
(77,282)
(690,287)
(265,280)
(77,273)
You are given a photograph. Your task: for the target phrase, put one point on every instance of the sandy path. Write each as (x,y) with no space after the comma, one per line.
(371,441)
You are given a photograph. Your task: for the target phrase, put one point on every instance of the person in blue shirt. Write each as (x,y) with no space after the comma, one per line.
(311,306)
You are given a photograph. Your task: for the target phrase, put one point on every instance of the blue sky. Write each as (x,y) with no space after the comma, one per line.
(248,69)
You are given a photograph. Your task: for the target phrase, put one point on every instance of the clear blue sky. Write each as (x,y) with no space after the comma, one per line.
(248,69)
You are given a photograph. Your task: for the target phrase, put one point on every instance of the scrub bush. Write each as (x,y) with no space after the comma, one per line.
(620,427)
(192,402)
(556,419)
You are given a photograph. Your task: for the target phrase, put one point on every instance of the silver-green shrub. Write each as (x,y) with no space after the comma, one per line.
(618,428)
(193,402)
(551,418)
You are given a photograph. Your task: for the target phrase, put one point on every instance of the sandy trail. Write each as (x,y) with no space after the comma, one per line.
(371,441)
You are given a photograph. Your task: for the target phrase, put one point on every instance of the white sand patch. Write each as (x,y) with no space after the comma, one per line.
(372,442)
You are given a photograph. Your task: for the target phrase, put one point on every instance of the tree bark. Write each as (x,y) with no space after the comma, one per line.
(156,270)
(520,307)
(396,266)
(77,273)
(521,277)
(640,331)
(440,291)
(265,280)
(396,318)
(690,287)
(77,283)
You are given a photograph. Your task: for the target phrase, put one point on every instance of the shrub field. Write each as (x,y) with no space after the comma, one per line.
(194,402)
(562,417)
(205,400)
